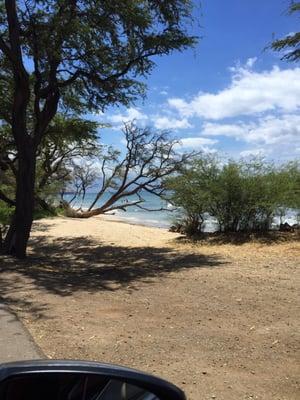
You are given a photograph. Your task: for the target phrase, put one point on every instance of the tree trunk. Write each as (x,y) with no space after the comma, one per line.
(71,213)
(19,231)
(44,205)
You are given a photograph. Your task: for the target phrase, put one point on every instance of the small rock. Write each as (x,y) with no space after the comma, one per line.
(275,342)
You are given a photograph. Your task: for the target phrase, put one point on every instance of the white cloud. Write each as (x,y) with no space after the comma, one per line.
(251,61)
(164,122)
(182,106)
(275,135)
(197,143)
(238,67)
(159,121)
(275,130)
(231,130)
(250,93)
(253,152)
(263,111)
(129,115)
(266,130)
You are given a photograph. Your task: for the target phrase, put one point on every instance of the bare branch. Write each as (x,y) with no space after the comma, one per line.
(150,157)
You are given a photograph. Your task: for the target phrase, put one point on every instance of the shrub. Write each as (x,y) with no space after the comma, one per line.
(242,196)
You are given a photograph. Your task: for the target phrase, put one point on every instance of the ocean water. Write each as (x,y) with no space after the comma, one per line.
(135,215)
(161,219)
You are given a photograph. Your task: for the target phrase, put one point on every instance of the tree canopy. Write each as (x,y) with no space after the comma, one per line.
(291,43)
(87,54)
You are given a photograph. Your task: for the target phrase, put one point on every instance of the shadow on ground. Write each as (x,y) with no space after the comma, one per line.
(239,238)
(67,265)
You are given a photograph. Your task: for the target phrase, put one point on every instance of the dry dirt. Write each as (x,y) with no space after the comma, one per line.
(219,320)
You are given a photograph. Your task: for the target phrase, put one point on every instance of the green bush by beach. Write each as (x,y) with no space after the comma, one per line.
(243,196)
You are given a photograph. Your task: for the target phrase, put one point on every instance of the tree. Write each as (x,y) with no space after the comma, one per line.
(70,152)
(190,190)
(81,178)
(289,178)
(241,196)
(149,159)
(74,55)
(290,43)
(66,138)
(7,167)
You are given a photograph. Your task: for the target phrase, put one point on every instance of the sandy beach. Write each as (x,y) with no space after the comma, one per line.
(219,320)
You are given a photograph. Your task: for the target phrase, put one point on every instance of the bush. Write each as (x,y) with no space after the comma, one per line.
(6,213)
(192,224)
(41,213)
(242,196)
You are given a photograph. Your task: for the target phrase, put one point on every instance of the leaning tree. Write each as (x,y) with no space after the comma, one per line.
(78,56)
(122,180)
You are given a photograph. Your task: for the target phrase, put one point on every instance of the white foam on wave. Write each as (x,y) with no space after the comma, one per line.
(144,222)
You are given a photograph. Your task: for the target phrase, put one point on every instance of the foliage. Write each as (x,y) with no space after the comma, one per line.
(68,138)
(40,213)
(6,213)
(190,190)
(241,196)
(91,51)
(74,57)
(69,154)
(291,43)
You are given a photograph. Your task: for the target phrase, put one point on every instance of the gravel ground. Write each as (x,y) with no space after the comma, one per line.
(219,320)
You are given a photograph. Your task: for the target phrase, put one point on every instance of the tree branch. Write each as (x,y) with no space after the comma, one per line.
(15,53)
(7,200)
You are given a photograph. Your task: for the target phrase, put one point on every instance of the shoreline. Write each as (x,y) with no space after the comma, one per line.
(107,229)
(129,232)
(132,220)
(127,221)
(210,224)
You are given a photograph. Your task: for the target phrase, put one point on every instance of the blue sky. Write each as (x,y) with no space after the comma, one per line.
(228,94)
